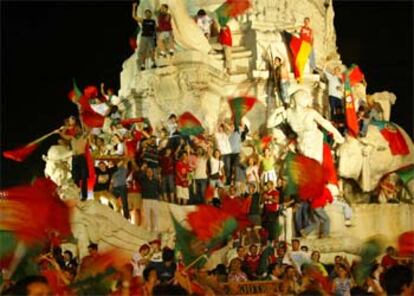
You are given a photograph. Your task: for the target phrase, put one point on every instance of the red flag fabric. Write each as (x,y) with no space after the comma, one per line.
(395,139)
(206,221)
(305,176)
(33,212)
(21,153)
(189,125)
(238,208)
(329,166)
(350,113)
(92,119)
(406,243)
(355,75)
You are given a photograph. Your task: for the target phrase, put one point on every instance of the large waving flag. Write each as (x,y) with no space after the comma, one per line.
(231,9)
(300,51)
(240,106)
(350,113)
(305,176)
(210,228)
(189,125)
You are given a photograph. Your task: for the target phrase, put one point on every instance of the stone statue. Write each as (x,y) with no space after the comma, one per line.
(186,33)
(304,121)
(368,159)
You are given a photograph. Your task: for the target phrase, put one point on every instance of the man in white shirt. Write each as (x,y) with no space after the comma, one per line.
(335,92)
(204,22)
(298,256)
(223,144)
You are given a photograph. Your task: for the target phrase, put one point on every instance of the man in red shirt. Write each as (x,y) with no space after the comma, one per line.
(226,41)
(182,170)
(271,207)
(306,34)
(252,260)
(165,40)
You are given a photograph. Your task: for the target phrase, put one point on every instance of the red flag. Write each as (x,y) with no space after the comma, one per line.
(209,194)
(92,119)
(238,208)
(406,243)
(395,139)
(189,125)
(21,153)
(329,166)
(33,212)
(355,75)
(240,106)
(350,114)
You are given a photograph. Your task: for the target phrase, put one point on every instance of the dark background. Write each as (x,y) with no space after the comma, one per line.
(46,44)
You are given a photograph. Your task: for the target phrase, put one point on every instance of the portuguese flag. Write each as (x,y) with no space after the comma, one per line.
(231,9)
(305,176)
(212,225)
(75,94)
(240,106)
(393,136)
(350,113)
(189,125)
(300,51)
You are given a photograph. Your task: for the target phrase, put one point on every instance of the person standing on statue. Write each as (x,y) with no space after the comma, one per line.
(165,40)
(148,36)
(306,34)
(80,171)
(225,39)
(281,76)
(335,92)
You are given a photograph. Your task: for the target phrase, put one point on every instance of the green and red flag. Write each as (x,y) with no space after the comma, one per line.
(351,118)
(305,176)
(34,211)
(237,208)
(211,225)
(240,106)
(188,245)
(300,51)
(75,94)
(392,134)
(355,75)
(328,166)
(370,250)
(406,174)
(189,125)
(230,9)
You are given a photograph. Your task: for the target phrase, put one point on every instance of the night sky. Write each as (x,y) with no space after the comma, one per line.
(47,44)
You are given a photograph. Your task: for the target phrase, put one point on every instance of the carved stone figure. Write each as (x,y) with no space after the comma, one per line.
(368,160)
(304,120)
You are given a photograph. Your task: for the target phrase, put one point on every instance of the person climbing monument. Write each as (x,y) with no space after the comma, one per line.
(148,37)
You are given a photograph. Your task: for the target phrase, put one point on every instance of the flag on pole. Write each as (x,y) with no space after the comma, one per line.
(231,9)
(350,113)
(189,125)
(300,51)
(240,106)
(21,153)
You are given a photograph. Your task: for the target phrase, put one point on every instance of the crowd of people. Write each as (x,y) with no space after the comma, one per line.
(279,269)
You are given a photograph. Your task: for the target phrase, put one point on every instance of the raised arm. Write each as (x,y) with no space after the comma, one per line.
(326,124)
(276,117)
(134,13)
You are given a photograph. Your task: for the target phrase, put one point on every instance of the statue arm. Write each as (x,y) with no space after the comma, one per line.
(276,117)
(326,124)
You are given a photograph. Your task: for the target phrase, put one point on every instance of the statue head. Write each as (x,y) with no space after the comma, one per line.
(301,98)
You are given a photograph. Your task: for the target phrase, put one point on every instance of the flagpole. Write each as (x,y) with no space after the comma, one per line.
(38,140)
(195,261)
